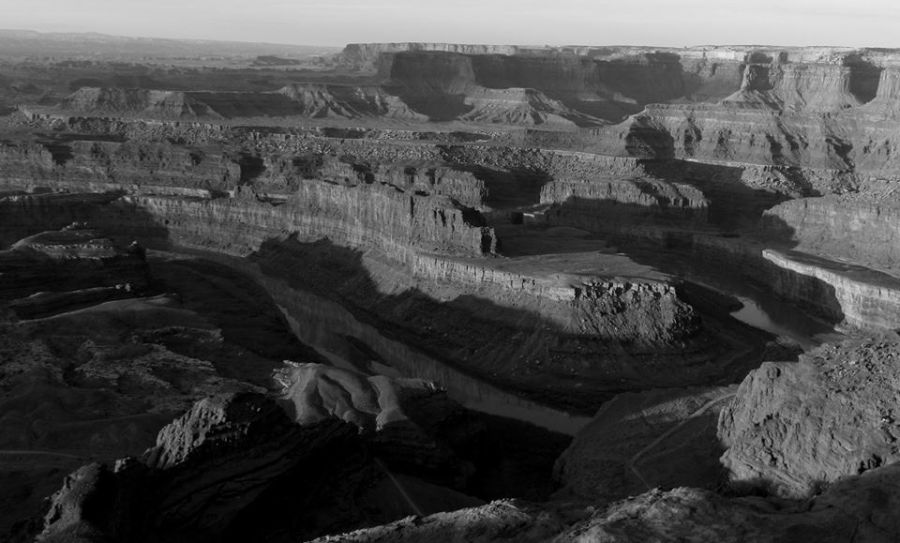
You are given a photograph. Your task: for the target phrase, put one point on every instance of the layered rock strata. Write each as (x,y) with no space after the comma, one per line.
(860,228)
(842,292)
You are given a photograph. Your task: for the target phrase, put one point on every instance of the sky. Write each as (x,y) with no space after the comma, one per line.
(859,23)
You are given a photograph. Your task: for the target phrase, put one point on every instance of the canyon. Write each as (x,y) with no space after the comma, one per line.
(515,293)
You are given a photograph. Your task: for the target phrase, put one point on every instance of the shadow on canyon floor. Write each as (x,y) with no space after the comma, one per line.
(507,188)
(245,313)
(733,263)
(108,212)
(510,457)
(610,215)
(514,348)
(732,204)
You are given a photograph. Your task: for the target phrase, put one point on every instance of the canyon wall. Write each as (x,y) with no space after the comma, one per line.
(860,296)
(600,205)
(857,228)
(369,216)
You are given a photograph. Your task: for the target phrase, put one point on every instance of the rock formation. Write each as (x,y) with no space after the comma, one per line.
(792,428)
(173,492)
(845,511)
(627,229)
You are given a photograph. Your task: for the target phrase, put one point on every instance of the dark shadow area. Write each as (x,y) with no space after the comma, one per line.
(245,104)
(252,166)
(757,78)
(864,77)
(509,188)
(343,133)
(732,204)
(121,221)
(759,57)
(515,349)
(646,140)
(653,78)
(244,311)
(787,302)
(61,152)
(438,107)
(619,87)
(610,215)
(689,457)
(674,444)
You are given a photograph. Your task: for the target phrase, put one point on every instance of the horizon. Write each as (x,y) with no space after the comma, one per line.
(690,23)
(504,44)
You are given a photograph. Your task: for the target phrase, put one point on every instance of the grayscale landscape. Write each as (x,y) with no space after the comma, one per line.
(444,292)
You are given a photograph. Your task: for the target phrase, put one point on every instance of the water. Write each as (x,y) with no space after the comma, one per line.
(760,309)
(751,313)
(351,344)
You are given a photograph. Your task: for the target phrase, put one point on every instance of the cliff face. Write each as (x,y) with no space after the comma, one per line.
(856,295)
(642,312)
(823,117)
(860,229)
(364,216)
(592,87)
(601,205)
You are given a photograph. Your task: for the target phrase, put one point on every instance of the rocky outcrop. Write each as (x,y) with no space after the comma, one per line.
(349,102)
(794,428)
(860,508)
(197,480)
(233,466)
(496,522)
(316,392)
(406,416)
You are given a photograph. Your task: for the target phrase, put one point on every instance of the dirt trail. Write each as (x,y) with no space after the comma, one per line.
(700,411)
